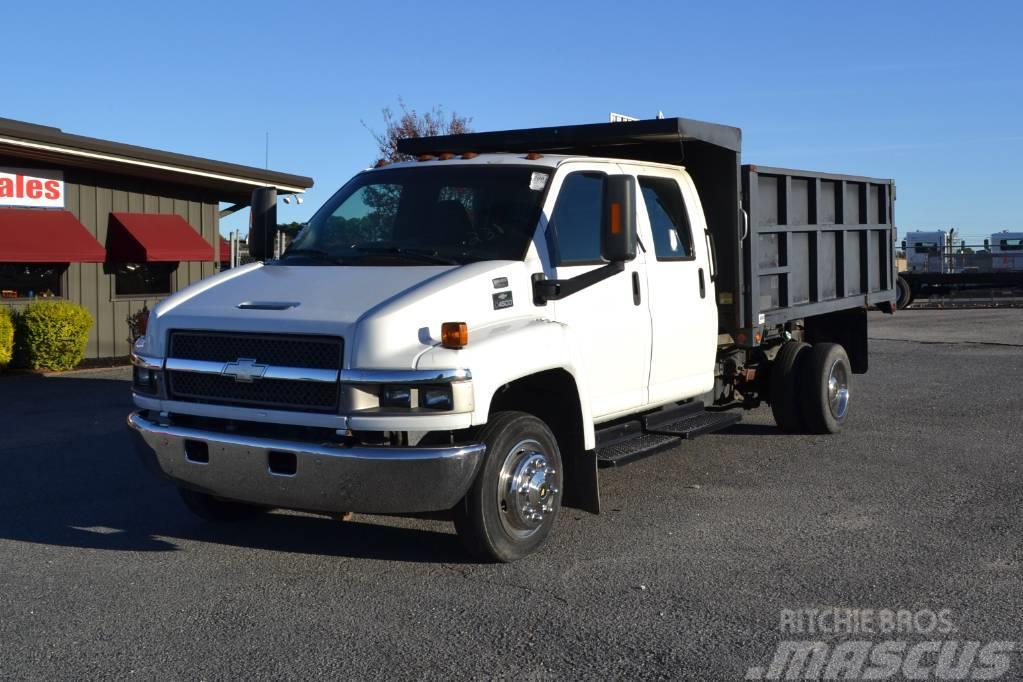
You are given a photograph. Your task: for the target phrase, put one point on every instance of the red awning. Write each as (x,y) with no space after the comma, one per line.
(153,238)
(41,236)
(225,250)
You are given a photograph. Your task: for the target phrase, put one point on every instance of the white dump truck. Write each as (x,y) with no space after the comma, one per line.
(479,330)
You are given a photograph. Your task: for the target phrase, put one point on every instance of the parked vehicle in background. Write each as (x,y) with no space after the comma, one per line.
(926,251)
(938,263)
(1007,251)
(481,329)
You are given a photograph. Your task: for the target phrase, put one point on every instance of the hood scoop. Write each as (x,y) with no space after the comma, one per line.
(268,305)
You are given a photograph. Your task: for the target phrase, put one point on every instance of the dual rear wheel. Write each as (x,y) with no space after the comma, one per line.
(810,387)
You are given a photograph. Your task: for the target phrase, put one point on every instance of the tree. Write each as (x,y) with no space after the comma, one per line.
(410,123)
(290,229)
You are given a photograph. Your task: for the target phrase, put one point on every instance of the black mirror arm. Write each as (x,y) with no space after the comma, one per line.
(554,289)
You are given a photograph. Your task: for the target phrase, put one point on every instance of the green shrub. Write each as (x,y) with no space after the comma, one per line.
(6,337)
(52,334)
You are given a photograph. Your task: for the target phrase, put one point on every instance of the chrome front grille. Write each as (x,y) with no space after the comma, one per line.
(275,371)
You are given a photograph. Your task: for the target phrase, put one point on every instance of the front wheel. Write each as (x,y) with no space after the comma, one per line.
(513,503)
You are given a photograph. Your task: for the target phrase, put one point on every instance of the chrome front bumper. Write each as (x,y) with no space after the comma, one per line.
(326,478)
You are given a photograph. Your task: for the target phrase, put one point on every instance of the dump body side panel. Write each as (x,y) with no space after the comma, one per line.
(817,243)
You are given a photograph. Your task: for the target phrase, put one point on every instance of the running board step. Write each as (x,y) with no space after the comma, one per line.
(638,438)
(635,448)
(695,425)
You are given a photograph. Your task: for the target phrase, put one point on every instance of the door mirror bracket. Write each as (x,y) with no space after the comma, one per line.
(554,289)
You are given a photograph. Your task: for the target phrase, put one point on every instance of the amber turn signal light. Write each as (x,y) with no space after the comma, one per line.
(454,335)
(616,218)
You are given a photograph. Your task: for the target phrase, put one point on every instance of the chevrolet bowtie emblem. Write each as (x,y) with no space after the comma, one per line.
(244,370)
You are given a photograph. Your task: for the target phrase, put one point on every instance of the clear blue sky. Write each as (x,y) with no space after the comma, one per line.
(929,93)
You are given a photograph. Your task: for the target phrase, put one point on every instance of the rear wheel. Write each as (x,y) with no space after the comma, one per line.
(513,503)
(215,509)
(904,293)
(825,390)
(785,386)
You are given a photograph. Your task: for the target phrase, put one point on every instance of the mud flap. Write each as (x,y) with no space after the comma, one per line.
(582,489)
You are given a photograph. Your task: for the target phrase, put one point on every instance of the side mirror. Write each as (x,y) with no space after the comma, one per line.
(618,220)
(262,222)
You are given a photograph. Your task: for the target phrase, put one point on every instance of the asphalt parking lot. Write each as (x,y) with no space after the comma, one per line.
(917,504)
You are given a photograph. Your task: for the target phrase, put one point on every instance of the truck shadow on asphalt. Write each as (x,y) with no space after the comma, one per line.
(69,477)
(745,429)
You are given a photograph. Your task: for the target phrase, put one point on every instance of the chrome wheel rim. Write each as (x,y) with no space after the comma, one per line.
(838,389)
(527,489)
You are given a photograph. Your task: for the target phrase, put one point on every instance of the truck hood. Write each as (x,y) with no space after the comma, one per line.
(327,300)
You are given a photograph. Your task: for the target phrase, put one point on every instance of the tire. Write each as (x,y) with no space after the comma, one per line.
(493,522)
(825,391)
(904,293)
(785,386)
(214,509)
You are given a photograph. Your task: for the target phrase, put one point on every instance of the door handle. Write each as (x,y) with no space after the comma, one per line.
(637,298)
(703,285)
(713,252)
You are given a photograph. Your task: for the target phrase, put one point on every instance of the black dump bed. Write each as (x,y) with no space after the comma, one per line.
(789,244)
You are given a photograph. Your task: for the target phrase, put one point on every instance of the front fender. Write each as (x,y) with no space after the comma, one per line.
(503,352)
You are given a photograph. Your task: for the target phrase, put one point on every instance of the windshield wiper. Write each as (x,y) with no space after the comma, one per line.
(420,254)
(314,254)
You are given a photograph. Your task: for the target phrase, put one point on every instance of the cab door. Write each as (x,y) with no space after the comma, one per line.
(609,322)
(681,294)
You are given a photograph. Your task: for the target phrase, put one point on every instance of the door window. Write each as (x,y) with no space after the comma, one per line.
(669,222)
(573,235)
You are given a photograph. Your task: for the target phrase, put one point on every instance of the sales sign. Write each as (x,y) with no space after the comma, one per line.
(31,187)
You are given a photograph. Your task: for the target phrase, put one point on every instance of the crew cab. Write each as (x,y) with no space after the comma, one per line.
(480,329)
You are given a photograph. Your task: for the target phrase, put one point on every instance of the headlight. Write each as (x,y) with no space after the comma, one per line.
(146,372)
(388,392)
(396,396)
(145,380)
(436,398)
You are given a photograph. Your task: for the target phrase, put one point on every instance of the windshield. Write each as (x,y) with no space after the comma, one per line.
(432,214)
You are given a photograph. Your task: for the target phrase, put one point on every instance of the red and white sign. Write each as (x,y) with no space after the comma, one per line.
(31,187)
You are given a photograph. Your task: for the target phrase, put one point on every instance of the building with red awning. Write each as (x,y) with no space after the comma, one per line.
(112,226)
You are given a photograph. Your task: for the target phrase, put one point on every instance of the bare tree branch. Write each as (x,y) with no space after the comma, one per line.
(410,123)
